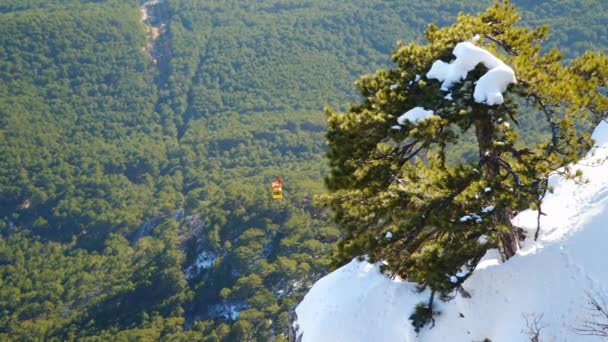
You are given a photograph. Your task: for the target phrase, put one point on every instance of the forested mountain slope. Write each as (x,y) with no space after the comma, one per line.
(121,168)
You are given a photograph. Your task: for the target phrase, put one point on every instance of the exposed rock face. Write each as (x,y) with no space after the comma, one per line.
(153,19)
(293,334)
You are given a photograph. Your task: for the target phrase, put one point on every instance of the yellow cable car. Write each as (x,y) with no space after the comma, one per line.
(277,188)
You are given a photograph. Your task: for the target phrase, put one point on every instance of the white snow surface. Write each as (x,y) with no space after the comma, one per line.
(548,277)
(489,87)
(357,303)
(414,115)
(465,218)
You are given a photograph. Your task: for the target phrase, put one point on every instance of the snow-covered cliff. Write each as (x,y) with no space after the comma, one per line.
(548,279)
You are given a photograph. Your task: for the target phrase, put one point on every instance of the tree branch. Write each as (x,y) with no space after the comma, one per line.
(597,322)
(509,49)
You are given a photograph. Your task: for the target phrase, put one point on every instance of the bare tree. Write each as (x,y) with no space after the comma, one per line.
(596,322)
(534,324)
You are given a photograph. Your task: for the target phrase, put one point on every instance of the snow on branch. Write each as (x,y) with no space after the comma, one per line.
(415,115)
(489,87)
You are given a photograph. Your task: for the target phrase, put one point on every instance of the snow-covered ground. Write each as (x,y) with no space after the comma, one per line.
(204,260)
(550,277)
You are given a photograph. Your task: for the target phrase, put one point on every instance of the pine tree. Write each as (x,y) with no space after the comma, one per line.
(393,186)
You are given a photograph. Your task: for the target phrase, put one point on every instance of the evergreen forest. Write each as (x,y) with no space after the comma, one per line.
(138,142)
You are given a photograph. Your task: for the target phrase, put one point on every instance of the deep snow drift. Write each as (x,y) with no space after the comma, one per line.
(549,277)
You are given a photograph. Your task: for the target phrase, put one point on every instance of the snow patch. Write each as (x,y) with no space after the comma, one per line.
(357,303)
(203,261)
(469,217)
(465,218)
(227,311)
(489,87)
(487,209)
(600,134)
(415,115)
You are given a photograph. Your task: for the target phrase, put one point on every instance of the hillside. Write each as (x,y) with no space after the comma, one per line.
(134,179)
(547,285)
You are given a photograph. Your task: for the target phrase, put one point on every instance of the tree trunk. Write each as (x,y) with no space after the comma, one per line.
(484,131)
(509,240)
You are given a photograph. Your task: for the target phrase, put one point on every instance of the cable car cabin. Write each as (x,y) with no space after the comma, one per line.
(277,188)
(277,193)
